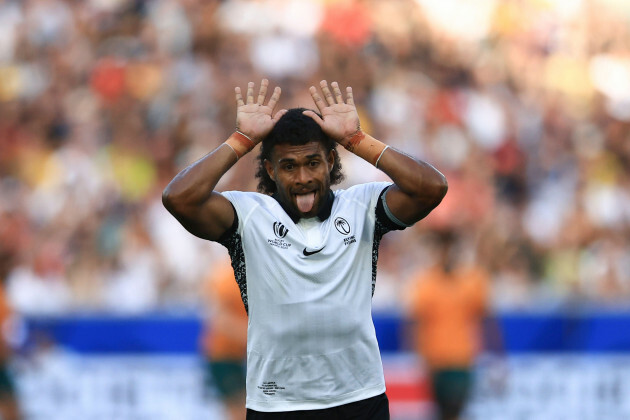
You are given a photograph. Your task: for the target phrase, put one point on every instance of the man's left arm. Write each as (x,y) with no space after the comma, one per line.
(418,187)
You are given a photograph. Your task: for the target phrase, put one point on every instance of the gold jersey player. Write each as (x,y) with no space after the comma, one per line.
(304,256)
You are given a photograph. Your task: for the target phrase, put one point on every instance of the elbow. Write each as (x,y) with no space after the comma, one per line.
(441,187)
(166,198)
(169,200)
(433,189)
(431,186)
(432,193)
(179,200)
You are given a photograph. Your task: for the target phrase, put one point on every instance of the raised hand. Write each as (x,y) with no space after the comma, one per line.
(254,119)
(339,119)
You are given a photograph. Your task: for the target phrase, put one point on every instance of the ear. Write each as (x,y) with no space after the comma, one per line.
(331,160)
(269,167)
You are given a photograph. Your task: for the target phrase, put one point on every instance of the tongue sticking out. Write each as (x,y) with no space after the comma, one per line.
(305,202)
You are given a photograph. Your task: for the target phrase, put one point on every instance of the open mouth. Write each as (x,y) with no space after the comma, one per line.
(305,202)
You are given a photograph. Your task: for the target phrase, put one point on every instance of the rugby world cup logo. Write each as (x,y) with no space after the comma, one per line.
(280,230)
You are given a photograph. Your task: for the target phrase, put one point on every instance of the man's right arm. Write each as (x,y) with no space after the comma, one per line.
(191,199)
(190,196)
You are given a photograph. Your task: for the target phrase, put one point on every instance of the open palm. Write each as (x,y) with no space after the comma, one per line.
(339,119)
(255,119)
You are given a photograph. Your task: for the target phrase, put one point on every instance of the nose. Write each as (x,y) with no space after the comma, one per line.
(303,176)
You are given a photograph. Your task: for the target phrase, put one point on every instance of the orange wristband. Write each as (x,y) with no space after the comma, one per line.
(364,146)
(240,143)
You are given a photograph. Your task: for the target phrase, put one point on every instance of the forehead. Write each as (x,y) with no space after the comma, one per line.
(297,152)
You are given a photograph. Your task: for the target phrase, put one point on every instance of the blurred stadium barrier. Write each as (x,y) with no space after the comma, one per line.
(558,367)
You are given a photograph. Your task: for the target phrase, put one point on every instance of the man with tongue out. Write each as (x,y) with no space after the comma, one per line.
(305,256)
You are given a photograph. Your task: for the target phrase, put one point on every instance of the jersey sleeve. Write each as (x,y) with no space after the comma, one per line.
(243,204)
(231,230)
(385,219)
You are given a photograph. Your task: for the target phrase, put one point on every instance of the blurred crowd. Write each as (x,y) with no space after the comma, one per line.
(523,104)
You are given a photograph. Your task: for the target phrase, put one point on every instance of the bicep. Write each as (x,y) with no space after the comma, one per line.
(405,209)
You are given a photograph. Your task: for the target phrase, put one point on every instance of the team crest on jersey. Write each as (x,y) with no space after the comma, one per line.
(342,226)
(280,231)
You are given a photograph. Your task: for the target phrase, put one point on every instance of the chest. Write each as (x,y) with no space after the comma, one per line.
(277,238)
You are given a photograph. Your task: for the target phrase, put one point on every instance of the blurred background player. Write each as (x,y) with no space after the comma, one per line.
(224,340)
(449,304)
(9,407)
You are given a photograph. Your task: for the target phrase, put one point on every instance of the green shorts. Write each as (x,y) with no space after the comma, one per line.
(7,385)
(451,388)
(226,377)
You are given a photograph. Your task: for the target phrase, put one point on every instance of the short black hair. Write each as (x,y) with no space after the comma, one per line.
(295,128)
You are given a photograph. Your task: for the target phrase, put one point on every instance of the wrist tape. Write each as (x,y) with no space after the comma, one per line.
(364,146)
(240,144)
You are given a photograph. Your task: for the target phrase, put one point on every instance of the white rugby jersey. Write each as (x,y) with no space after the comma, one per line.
(307,287)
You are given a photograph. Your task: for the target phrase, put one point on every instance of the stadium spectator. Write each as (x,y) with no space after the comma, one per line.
(101,103)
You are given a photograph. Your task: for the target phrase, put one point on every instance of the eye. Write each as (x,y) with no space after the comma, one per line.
(314,163)
(288,167)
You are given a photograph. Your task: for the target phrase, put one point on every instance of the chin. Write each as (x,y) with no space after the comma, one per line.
(306,215)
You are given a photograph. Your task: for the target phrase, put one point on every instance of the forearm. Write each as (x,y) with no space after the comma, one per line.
(195,183)
(412,176)
(420,187)
(191,199)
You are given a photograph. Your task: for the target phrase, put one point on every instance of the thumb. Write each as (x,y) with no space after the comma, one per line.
(278,115)
(314,116)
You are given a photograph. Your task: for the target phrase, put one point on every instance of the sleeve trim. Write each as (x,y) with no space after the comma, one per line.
(389,213)
(232,229)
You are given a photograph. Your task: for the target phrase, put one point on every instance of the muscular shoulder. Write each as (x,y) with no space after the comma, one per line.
(364,193)
(246,196)
(246,201)
(254,210)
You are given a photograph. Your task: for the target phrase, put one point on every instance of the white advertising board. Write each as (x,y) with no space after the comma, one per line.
(62,386)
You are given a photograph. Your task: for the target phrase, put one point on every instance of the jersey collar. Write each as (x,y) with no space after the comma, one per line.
(322,214)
